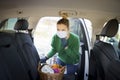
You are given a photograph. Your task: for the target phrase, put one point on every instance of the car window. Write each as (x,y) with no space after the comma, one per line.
(8,24)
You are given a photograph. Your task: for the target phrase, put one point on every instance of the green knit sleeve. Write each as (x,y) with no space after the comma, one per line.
(53,50)
(72,51)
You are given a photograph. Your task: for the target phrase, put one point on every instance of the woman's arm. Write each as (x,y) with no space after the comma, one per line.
(73,50)
(53,50)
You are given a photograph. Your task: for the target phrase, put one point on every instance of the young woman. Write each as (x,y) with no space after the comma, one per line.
(66,44)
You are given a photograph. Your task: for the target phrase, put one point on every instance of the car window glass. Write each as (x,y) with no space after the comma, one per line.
(9,24)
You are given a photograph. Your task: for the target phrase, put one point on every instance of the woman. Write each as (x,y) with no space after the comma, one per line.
(66,44)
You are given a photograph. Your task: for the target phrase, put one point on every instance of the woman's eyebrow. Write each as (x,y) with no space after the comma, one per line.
(57,29)
(63,29)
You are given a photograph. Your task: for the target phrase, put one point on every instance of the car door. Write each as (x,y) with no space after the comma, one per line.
(79,27)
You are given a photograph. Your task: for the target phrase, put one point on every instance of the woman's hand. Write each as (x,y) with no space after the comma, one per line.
(43,60)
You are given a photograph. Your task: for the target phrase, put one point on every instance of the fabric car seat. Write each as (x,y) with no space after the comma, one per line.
(27,47)
(104,61)
(11,65)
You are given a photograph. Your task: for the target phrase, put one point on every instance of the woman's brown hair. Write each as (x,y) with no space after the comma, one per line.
(64,21)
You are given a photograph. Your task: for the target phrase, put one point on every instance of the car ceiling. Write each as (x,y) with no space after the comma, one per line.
(98,11)
(103,5)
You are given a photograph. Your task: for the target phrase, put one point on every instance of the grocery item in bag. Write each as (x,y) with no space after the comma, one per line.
(47,69)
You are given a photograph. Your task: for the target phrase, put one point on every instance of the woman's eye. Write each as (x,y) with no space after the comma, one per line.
(63,30)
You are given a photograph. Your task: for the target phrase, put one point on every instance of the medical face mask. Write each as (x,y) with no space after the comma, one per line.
(61,34)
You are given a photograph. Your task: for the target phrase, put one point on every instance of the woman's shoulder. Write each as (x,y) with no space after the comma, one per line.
(74,38)
(73,35)
(55,37)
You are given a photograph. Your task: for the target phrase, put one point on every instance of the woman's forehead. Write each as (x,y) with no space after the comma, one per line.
(61,26)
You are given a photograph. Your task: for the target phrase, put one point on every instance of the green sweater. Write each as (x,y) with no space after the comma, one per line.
(69,55)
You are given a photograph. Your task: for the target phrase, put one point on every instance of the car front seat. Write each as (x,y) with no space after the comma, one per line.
(103,56)
(29,53)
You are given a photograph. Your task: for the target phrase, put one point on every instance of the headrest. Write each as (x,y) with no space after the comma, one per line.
(21,24)
(110,29)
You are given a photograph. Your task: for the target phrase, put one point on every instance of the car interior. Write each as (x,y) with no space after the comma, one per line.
(25,25)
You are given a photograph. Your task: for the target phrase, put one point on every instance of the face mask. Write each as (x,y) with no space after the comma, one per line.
(61,34)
